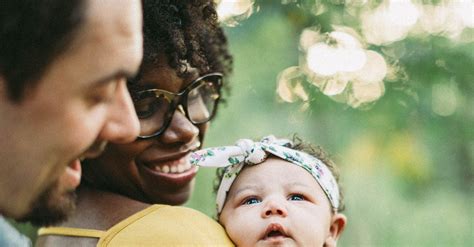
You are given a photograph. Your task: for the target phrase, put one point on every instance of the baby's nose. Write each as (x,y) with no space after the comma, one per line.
(274,208)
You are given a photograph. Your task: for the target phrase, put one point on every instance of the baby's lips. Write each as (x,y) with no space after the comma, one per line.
(275,228)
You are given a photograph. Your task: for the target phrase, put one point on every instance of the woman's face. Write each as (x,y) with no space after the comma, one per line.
(155,170)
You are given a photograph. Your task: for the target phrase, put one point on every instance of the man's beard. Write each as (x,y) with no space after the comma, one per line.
(52,207)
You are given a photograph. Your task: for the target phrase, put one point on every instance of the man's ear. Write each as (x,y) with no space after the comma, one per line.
(338,222)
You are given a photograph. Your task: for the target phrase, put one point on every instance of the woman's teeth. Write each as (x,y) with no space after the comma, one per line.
(173,169)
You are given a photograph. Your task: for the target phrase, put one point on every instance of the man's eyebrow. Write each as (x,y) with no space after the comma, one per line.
(114,76)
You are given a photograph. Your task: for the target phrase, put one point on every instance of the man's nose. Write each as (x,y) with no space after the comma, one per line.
(122,124)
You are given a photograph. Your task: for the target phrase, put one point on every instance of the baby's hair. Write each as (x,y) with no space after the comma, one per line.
(301,145)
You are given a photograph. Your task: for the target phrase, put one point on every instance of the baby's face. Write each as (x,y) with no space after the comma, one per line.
(277,203)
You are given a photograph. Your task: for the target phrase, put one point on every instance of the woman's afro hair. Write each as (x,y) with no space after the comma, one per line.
(186,32)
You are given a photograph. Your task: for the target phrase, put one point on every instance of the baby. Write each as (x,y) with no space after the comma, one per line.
(275,193)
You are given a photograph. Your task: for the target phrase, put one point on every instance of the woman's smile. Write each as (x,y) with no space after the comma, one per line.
(172,166)
(176,172)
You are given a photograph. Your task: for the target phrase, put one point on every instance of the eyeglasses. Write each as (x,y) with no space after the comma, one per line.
(198,101)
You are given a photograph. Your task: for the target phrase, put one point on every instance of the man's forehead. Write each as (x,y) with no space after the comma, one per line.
(109,40)
(108,17)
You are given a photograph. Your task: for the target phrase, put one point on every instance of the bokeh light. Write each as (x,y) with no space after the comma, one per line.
(344,55)
(290,85)
(339,65)
(374,69)
(363,93)
(231,12)
(448,18)
(444,98)
(344,65)
(389,22)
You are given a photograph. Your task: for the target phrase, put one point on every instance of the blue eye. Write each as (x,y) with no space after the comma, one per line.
(251,200)
(296,197)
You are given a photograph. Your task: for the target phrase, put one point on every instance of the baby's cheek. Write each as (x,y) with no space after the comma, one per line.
(239,231)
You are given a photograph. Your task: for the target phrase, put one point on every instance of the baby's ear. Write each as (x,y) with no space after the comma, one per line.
(338,222)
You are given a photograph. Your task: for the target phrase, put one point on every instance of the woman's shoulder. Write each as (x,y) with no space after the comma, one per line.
(163,225)
(127,222)
(101,210)
(155,225)
(95,210)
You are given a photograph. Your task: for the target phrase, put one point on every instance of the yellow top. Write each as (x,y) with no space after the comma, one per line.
(157,225)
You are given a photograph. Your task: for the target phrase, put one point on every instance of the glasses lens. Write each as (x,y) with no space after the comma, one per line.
(152,109)
(202,100)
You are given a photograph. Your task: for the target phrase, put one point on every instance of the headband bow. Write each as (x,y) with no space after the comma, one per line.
(248,152)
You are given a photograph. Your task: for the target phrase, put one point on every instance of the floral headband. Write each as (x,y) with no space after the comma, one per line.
(248,152)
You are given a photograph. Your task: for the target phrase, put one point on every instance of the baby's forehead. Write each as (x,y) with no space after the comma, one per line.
(272,166)
(274,172)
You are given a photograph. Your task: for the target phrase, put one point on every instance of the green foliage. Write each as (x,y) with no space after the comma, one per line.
(407,171)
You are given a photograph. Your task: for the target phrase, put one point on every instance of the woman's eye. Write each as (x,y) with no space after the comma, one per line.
(145,107)
(296,197)
(150,105)
(251,200)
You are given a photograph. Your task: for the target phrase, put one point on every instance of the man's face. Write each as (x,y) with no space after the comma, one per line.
(54,204)
(277,203)
(81,101)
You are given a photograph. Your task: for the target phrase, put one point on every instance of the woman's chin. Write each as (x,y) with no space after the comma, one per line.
(173,196)
(172,199)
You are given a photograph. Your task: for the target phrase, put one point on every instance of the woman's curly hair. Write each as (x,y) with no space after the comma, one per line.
(186,32)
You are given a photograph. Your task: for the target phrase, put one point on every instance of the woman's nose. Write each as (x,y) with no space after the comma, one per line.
(180,130)
(274,207)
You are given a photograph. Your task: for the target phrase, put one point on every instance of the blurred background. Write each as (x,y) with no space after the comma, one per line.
(386,87)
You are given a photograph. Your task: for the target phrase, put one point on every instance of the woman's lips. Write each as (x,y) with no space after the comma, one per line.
(171,166)
(177,172)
